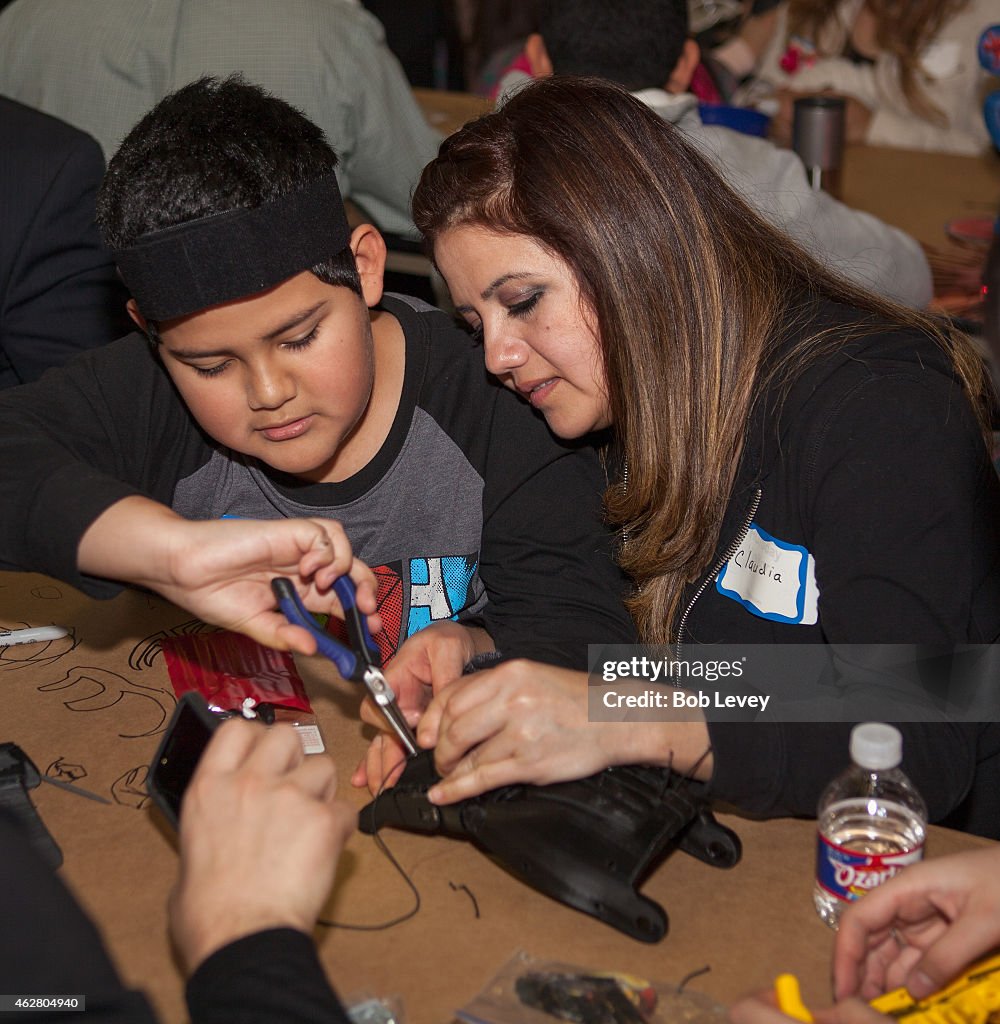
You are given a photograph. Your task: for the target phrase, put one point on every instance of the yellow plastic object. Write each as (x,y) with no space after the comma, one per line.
(970,999)
(786,991)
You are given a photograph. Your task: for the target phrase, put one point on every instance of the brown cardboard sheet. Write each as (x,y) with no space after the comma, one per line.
(91,708)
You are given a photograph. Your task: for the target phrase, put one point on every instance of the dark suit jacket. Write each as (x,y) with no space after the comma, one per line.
(59,291)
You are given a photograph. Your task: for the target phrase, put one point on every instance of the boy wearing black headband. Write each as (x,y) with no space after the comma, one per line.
(273,383)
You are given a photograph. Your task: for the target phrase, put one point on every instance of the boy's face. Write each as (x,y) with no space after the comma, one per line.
(284,375)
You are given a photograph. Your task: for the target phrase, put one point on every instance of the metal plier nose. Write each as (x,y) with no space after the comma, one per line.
(361,663)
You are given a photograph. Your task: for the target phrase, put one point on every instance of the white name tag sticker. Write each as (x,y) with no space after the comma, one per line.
(772,578)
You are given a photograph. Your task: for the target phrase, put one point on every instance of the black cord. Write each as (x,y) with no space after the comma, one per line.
(691,976)
(690,775)
(380,843)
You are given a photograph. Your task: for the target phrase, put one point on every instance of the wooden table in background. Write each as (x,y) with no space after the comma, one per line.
(92,707)
(921,192)
(448,111)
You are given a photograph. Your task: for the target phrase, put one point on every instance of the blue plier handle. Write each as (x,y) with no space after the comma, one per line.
(362,663)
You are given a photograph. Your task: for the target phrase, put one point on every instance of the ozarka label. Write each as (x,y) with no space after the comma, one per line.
(849,874)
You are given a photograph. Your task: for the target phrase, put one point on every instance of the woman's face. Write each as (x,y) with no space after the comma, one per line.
(539,336)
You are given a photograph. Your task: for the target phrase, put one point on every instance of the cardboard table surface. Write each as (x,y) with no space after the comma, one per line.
(91,708)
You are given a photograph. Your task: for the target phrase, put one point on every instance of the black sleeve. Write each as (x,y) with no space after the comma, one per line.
(63,294)
(903,502)
(271,977)
(107,425)
(547,556)
(49,946)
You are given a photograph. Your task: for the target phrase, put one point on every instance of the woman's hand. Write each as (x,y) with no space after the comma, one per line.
(518,722)
(528,722)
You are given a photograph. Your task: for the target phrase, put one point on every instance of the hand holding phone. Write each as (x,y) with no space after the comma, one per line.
(260,829)
(179,752)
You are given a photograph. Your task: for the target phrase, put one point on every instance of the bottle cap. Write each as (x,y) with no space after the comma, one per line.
(876,746)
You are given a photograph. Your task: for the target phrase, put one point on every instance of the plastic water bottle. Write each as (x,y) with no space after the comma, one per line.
(871,822)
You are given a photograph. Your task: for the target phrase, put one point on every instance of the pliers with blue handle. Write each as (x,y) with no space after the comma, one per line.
(362,663)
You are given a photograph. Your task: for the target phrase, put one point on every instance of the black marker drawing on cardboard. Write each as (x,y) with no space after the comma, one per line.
(468,892)
(35,656)
(46,592)
(145,651)
(66,771)
(130,789)
(96,689)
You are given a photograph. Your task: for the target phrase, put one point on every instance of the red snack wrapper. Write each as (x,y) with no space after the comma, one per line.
(226,668)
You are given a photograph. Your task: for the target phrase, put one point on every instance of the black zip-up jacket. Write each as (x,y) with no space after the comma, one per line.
(873,462)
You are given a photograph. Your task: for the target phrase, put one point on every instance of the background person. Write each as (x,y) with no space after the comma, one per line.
(644,45)
(910,72)
(102,65)
(59,291)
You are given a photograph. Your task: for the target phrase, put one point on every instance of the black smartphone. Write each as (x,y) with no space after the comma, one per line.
(181,748)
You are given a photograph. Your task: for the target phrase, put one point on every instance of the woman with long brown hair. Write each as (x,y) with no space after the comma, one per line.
(756,411)
(908,68)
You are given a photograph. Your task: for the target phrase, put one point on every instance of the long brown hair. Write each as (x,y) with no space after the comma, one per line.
(688,284)
(904,28)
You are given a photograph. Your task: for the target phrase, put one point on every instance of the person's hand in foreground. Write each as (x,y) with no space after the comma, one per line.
(763,1009)
(260,836)
(921,929)
(430,660)
(221,569)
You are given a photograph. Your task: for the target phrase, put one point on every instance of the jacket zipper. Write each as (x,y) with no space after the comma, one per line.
(729,552)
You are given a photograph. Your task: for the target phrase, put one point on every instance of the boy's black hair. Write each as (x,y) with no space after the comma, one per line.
(213,146)
(635,43)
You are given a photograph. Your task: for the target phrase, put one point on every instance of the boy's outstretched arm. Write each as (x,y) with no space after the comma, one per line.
(221,570)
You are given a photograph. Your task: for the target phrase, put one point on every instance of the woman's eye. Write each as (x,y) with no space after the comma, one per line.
(523,308)
(477,334)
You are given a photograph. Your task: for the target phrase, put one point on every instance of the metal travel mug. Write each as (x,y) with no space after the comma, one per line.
(818,137)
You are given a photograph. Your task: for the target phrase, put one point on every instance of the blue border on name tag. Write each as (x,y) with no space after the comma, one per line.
(800,601)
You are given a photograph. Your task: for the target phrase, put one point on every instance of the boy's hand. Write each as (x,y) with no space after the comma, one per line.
(221,569)
(260,836)
(430,660)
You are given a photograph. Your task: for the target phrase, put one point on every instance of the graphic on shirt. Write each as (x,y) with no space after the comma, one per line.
(772,578)
(438,588)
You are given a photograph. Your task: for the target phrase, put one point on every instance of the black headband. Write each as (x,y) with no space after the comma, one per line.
(226,256)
